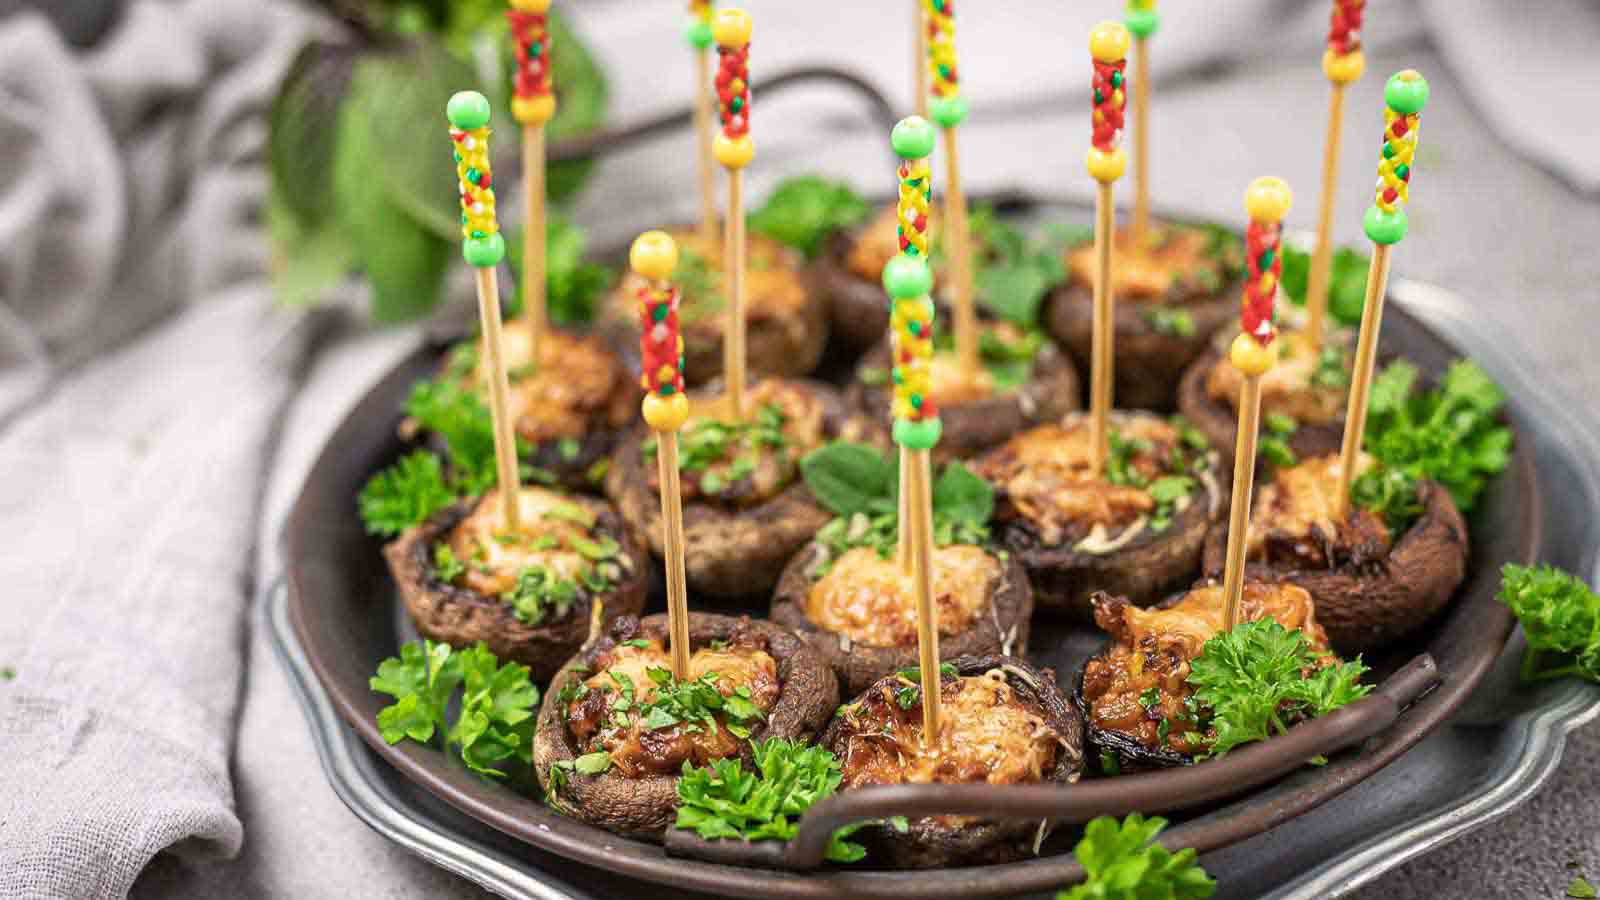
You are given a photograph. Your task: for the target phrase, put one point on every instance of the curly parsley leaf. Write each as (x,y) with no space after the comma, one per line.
(495,725)
(723,801)
(405,494)
(802,211)
(457,414)
(1347,281)
(1122,862)
(1391,494)
(1450,434)
(1260,678)
(1560,617)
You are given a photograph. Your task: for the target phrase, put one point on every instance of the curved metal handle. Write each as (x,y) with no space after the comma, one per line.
(611,140)
(1150,792)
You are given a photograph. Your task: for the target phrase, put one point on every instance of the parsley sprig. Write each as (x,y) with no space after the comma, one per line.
(1260,678)
(495,725)
(408,492)
(803,210)
(1122,862)
(1560,617)
(726,452)
(1450,434)
(723,801)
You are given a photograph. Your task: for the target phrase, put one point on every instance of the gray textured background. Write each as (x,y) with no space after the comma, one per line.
(1486,222)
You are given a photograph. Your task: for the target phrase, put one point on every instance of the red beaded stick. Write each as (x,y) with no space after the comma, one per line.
(1263,264)
(1110,102)
(533,103)
(1344,28)
(1343,63)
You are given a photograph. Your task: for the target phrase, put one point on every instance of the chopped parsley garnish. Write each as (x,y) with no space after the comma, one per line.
(446,567)
(1560,617)
(540,595)
(1332,368)
(1169,321)
(1275,442)
(407,493)
(802,211)
(1121,861)
(1168,491)
(1260,678)
(709,442)
(723,801)
(495,724)
(699,284)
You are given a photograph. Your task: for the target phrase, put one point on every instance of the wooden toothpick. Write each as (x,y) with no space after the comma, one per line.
(533,104)
(1343,64)
(1108,47)
(734,149)
(1142,20)
(701,39)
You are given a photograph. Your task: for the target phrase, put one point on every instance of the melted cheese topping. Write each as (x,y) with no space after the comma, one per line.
(872,601)
(1153,651)
(949,385)
(987,735)
(1300,500)
(636,750)
(1152,270)
(1286,388)
(879,242)
(1045,474)
(577,384)
(493,558)
(774,467)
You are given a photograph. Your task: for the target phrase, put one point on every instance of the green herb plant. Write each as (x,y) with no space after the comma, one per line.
(494,729)
(1121,861)
(1560,618)
(1450,434)
(1260,678)
(802,211)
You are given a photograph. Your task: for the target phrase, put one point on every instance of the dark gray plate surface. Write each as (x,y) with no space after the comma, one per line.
(1492,754)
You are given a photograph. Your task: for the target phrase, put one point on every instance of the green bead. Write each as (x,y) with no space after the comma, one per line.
(948,111)
(1388,150)
(1266,259)
(736,104)
(474,176)
(1142,22)
(906,277)
(938,6)
(912,138)
(944,71)
(915,328)
(668,389)
(468,110)
(1116,79)
(922,435)
(1406,92)
(898,378)
(698,34)
(457,155)
(463,218)
(916,401)
(658,312)
(1383,227)
(535,48)
(484,252)
(1403,171)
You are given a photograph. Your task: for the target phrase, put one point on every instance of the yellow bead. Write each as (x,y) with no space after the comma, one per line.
(1250,357)
(1106,167)
(731,28)
(1268,283)
(666,373)
(533,110)
(1108,42)
(1343,69)
(1116,97)
(654,255)
(531,6)
(734,153)
(1267,199)
(665,413)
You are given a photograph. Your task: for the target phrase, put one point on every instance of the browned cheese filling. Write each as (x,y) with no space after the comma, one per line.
(746,463)
(1139,686)
(1045,473)
(575,385)
(1292,520)
(988,734)
(1169,260)
(606,713)
(871,600)
(555,533)
(773,288)
(1287,388)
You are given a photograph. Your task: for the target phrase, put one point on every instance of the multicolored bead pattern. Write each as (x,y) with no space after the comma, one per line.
(654,256)
(532,101)
(909,282)
(468,112)
(733,147)
(944,78)
(1404,96)
(1267,202)
(916,193)
(1110,102)
(1344,27)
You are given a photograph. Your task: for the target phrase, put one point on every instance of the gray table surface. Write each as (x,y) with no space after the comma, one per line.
(1498,230)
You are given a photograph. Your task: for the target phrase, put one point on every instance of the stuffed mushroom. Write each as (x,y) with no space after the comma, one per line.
(530,594)
(786,323)
(745,509)
(1134,695)
(1303,397)
(1002,722)
(616,730)
(1172,293)
(856,607)
(1135,529)
(1023,381)
(850,273)
(1388,566)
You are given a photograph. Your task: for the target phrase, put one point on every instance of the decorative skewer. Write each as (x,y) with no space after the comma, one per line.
(1143,20)
(913,140)
(484,247)
(734,149)
(919,58)
(1253,354)
(949,109)
(1108,45)
(1404,96)
(700,39)
(654,256)
(909,280)
(1343,63)
(532,105)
